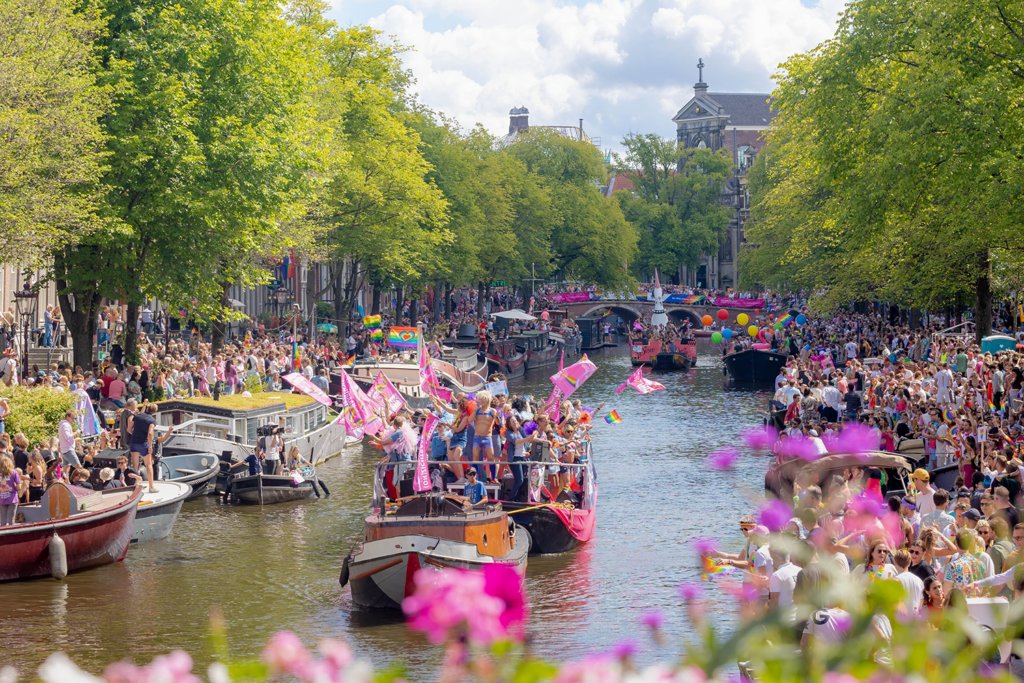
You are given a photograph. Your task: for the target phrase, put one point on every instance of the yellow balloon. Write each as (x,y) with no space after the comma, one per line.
(752,330)
(743,318)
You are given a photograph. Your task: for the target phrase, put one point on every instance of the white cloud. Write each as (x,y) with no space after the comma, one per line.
(623,65)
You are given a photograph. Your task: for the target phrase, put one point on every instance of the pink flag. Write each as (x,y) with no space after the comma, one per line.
(572,378)
(299,381)
(561,361)
(362,414)
(389,393)
(552,405)
(429,384)
(421,478)
(641,384)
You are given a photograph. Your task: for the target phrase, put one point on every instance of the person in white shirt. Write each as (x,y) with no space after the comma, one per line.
(782,583)
(924,491)
(913,587)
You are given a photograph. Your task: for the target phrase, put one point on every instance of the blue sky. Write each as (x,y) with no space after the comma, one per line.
(622,65)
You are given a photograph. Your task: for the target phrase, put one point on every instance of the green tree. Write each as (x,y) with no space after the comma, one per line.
(676,206)
(207,137)
(894,166)
(50,108)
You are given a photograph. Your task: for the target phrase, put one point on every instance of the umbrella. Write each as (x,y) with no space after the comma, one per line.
(235,303)
(327,327)
(514,314)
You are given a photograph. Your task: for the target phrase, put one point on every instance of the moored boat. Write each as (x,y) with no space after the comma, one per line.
(158,510)
(70,529)
(755,367)
(503,356)
(267,489)
(430,530)
(197,470)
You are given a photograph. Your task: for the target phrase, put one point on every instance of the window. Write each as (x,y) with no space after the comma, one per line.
(744,155)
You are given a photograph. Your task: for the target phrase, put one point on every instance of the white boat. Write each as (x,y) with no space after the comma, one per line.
(159,510)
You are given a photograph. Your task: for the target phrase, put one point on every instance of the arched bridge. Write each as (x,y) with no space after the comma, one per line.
(633,309)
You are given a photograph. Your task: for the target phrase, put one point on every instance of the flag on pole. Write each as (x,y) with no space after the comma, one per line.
(421,477)
(640,383)
(362,415)
(88,423)
(389,393)
(613,417)
(552,405)
(296,357)
(403,337)
(572,378)
(429,384)
(305,386)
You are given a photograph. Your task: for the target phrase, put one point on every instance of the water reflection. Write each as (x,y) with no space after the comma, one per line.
(278,567)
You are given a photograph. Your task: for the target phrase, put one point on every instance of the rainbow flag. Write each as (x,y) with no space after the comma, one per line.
(296,357)
(371,322)
(613,417)
(694,299)
(403,337)
(785,320)
(377,335)
(711,568)
(949,416)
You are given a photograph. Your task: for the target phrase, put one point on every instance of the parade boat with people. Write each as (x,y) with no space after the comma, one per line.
(158,511)
(430,530)
(661,346)
(70,529)
(541,351)
(505,357)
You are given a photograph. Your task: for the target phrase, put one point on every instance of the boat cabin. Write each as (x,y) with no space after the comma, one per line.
(61,501)
(238,418)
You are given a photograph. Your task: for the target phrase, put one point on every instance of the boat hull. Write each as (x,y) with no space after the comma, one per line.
(198,470)
(510,367)
(677,356)
(263,489)
(155,520)
(381,572)
(539,358)
(90,540)
(754,367)
(555,529)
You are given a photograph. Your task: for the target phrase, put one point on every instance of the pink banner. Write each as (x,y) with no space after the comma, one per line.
(640,383)
(299,381)
(421,478)
(389,393)
(572,378)
(361,418)
(569,297)
(737,303)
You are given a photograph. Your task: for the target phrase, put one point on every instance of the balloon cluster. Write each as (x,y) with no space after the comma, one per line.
(743,319)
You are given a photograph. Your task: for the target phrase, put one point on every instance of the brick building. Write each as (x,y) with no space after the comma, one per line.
(736,122)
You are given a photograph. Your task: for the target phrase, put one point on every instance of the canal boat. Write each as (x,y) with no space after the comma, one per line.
(538,347)
(790,473)
(158,510)
(267,489)
(198,470)
(679,354)
(406,376)
(425,531)
(230,425)
(756,368)
(505,357)
(557,521)
(70,529)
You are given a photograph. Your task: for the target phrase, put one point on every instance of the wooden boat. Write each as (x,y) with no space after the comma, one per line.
(535,344)
(503,356)
(561,520)
(674,355)
(755,367)
(70,529)
(229,425)
(267,489)
(158,511)
(426,531)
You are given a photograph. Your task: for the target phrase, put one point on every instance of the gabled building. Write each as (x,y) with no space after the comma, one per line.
(519,123)
(736,122)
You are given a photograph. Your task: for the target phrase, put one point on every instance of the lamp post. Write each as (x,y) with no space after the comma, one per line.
(25,301)
(280,298)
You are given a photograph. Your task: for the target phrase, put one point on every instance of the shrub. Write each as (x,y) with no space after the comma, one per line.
(36,412)
(252,383)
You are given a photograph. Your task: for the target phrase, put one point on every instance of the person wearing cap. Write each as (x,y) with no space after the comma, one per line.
(746,525)
(474,490)
(923,491)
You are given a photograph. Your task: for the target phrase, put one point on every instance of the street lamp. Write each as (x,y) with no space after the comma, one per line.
(25,301)
(280,298)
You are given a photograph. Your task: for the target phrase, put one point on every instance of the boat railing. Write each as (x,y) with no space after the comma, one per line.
(464,380)
(584,468)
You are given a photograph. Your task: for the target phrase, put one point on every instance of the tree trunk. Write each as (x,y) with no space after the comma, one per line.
(375,307)
(439,293)
(338,284)
(220,323)
(131,333)
(399,303)
(983,297)
(480,299)
(448,301)
(414,307)
(81,318)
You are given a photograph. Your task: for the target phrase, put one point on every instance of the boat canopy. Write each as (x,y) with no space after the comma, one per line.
(514,314)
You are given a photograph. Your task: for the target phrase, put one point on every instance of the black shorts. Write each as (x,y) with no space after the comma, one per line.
(140,448)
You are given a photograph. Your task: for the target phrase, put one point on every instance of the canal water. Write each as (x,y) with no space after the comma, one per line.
(277,568)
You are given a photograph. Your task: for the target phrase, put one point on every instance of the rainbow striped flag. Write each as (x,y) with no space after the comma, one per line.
(694,299)
(296,357)
(403,337)
(784,320)
(371,322)
(711,568)
(949,416)
(377,335)
(613,417)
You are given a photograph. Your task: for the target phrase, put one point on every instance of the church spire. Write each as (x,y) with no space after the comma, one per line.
(700,86)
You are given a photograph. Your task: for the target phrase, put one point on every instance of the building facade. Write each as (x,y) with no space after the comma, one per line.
(735,122)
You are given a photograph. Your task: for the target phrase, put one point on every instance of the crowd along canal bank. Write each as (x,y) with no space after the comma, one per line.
(276,567)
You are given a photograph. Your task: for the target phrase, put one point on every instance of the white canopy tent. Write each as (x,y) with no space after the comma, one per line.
(514,314)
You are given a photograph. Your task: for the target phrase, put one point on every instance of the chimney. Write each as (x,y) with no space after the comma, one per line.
(518,119)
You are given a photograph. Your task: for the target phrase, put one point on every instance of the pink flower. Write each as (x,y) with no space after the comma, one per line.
(175,667)
(723,459)
(705,546)
(744,592)
(775,515)
(760,438)
(486,605)
(285,653)
(798,447)
(624,649)
(855,438)
(833,677)
(336,653)
(690,591)
(598,669)
(653,619)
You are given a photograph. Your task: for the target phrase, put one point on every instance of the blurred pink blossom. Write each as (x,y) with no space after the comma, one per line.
(705,546)
(854,438)
(723,459)
(690,591)
(175,667)
(653,619)
(760,438)
(798,447)
(285,653)
(775,515)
